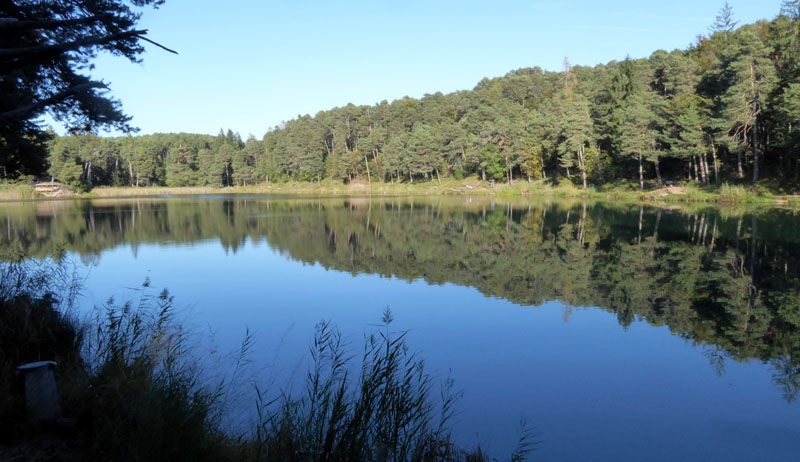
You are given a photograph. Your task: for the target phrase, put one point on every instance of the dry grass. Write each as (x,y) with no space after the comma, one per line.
(17,191)
(683,193)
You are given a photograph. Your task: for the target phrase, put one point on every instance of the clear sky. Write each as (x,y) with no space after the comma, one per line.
(248,65)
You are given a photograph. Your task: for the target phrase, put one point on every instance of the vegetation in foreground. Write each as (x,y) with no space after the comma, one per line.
(137,391)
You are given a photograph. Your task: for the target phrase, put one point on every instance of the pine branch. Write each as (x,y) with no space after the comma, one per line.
(157,44)
(23,53)
(17,58)
(24,111)
(15,24)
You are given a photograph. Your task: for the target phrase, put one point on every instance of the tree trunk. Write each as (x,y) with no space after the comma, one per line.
(582,165)
(437,176)
(541,158)
(755,152)
(716,165)
(88,175)
(739,171)
(658,173)
(703,177)
(366,163)
(641,174)
(753,254)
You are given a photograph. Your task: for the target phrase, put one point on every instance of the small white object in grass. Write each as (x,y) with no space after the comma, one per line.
(41,394)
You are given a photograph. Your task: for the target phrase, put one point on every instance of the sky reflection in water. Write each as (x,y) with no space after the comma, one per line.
(596,383)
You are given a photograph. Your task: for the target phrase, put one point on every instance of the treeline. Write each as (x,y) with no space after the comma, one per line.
(726,109)
(85,161)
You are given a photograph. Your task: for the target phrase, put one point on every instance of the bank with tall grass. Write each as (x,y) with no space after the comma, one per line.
(132,388)
(687,192)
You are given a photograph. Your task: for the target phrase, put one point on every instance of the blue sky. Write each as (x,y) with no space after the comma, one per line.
(248,65)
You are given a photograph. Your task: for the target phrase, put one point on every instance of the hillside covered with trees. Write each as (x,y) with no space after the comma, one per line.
(726,109)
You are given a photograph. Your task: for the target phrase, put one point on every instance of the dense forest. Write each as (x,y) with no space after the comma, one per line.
(727,109)
(718,278)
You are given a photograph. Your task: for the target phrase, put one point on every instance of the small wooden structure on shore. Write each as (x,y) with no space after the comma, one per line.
(52,189)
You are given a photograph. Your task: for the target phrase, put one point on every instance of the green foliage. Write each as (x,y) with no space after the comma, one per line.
(492,162)
(725,106)
(48,48)
(749,72)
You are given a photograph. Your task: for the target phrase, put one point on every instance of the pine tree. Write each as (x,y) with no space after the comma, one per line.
(638,137)
(791,8)
(724,22)
(691,141)
(576,134)
(751,79)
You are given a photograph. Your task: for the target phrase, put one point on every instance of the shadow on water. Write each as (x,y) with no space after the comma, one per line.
(725,278)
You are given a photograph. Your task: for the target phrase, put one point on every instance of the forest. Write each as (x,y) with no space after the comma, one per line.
(724,110)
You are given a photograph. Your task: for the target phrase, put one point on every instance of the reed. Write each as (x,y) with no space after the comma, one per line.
(134,381)
(16,191)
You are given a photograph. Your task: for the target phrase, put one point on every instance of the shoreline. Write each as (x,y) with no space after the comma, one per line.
(672,194)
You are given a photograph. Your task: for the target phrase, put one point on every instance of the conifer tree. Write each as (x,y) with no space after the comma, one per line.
(751,78)
(638,137)
(576,134)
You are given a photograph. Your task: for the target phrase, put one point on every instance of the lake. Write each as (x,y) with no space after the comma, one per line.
(618,331)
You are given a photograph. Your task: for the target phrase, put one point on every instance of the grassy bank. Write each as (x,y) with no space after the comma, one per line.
(688,192)
(17,191)
(628,192)
(134,387)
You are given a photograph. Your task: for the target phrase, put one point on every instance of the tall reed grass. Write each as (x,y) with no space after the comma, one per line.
(132,378)
(16,191)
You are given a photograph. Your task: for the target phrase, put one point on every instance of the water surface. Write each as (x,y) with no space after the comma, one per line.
(620,332)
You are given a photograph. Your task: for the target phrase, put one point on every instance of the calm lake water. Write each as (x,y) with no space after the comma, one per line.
(619,332)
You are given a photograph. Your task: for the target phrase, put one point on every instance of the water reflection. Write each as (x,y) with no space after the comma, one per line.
(726,278)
